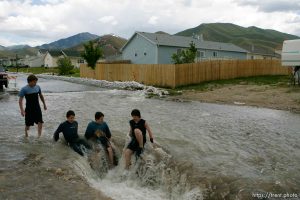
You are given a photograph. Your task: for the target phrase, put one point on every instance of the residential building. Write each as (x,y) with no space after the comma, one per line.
(158,48)
(257,53)
(49,58)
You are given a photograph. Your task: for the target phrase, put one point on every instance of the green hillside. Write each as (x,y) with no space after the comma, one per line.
(263,40)
(20,52)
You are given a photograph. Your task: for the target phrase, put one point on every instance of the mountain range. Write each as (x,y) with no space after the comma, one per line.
(2,48)
(250,38)
(110,44)
(70,41)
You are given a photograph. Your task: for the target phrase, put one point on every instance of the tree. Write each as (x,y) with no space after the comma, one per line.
(65,66)
(185,56)
(91,54)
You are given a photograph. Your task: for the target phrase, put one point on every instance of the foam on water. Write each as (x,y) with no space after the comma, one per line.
(151,177)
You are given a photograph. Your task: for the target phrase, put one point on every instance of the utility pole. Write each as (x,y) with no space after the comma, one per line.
(17,65)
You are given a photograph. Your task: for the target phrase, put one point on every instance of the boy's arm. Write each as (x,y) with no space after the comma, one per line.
(107,132)
(149,132)
(130,132)
(21,106)
(43,100)
(89,132)
(56,133)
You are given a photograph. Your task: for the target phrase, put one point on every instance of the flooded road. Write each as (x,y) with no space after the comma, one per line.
(206,151)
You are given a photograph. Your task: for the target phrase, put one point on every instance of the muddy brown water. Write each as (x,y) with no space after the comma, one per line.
(203,151)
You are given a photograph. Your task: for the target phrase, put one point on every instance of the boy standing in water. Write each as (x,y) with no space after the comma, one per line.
(138,129)
(99,131)
(70,130)
(32,112)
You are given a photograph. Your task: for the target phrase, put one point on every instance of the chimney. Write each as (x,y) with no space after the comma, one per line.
(198,37)
(201,37)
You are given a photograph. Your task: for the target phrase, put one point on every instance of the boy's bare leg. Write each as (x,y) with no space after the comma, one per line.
(26,130)
(40,126)
(110,156)
(128,153)
(139,137)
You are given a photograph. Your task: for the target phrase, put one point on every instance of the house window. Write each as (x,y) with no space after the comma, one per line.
(145,53)
(135,54)
(179,51)
(215,54)
(252,57)
(200,54)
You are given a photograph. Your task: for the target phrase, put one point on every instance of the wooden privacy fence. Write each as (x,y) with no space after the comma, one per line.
(171,75)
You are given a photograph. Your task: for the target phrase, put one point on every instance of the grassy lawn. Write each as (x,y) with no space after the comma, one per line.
(35,70)
(39,70)
(278,80)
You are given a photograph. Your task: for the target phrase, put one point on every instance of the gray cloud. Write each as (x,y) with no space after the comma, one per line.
(34,21)
(272,5)
(187,3)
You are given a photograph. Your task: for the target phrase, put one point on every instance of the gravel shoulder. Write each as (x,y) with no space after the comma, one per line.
(267,96)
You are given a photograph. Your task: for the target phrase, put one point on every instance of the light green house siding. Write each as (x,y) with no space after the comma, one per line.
(165,54)
(140,51)
(150,48)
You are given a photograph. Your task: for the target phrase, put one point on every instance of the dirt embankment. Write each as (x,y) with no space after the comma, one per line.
(37,178)
(274,97)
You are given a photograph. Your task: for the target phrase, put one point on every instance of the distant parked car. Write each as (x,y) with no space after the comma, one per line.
(23,66)
(3,78)
(19,66)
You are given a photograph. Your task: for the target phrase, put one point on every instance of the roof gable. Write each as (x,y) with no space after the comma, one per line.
(72,53)
(56,53)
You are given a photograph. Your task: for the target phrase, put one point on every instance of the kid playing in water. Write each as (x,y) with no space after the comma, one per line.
(138,129)
(98,131)
(70,130)
(33,114)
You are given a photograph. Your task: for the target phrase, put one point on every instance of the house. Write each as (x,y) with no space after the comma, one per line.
(75,57)
(44,58)
(33,61)
(158,48)
(49,58)
(5,61)
(256,53)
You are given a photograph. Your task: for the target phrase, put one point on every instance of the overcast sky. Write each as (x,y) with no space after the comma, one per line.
(36,22)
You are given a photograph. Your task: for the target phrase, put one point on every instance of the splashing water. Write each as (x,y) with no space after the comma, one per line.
(152,176)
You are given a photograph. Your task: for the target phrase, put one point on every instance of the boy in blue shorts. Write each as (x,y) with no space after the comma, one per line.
(138,129)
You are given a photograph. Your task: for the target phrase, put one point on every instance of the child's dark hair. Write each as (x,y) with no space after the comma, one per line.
(31,78)
(70,113)
(98,115)
(136,112)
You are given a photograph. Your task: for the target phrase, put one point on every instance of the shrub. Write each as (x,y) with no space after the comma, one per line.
(65,66)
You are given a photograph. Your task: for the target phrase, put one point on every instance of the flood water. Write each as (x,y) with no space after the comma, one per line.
(204,151)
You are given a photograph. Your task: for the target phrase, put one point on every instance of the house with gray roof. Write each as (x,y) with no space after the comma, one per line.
(158,48)
(49,58)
